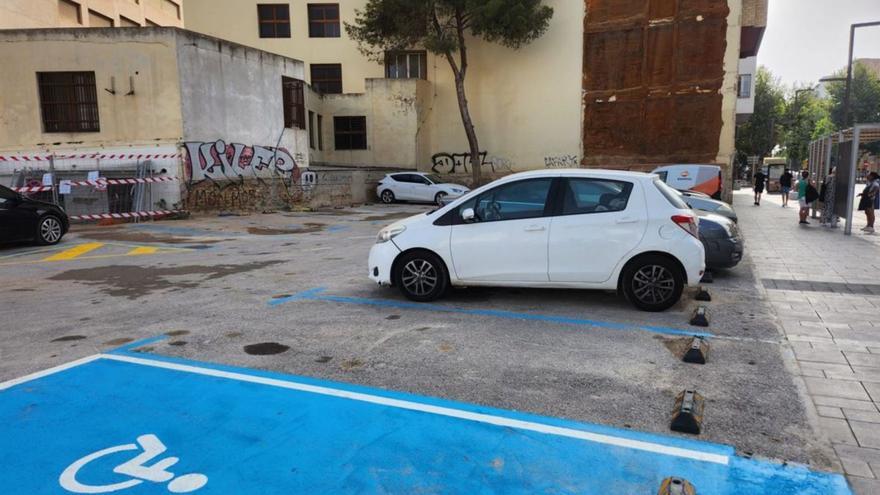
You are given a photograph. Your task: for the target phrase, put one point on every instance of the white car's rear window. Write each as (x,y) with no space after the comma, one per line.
(673,196)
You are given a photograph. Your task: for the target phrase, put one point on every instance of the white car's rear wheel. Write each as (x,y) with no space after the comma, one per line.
(653,283)
(387,196)
(438,198)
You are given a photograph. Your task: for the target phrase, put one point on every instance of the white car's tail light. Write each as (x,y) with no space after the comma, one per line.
(688,223)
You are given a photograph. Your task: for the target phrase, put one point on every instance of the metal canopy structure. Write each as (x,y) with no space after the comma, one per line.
(846,158)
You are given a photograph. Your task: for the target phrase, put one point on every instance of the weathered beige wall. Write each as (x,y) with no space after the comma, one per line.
(22,14)
(526,104)
(150,116)
(727,139)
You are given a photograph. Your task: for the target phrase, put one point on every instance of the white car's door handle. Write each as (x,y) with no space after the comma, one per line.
(627,220)
(535,228)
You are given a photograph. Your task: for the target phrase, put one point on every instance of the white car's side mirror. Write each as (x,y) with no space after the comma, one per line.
(468,214)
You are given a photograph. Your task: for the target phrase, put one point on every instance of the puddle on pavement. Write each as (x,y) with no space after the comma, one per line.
(69,338)
(305,229)
(265,348)
(178,343)
(125,235)
(134,281)
(177,333)
(324,359)
(392,317)
(119,341)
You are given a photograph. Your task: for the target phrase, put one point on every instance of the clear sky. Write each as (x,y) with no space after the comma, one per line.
(809,39)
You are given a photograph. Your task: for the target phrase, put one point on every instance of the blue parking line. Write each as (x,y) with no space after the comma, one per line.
(113,422)
(316,294)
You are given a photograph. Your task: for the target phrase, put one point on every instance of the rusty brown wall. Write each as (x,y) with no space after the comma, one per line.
(652,74)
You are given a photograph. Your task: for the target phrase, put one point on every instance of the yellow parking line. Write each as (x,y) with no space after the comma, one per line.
(74,252)
(142,250)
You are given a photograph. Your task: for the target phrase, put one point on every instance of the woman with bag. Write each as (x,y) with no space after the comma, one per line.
(807,193)
(870,200)
(826,196)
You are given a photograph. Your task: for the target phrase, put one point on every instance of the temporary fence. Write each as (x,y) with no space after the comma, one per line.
(98,186)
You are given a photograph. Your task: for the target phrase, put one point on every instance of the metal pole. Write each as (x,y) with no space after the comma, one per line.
(850,193)
(52,175)
(849,67)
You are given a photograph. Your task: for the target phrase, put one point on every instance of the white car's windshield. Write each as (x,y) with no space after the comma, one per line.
(434,178)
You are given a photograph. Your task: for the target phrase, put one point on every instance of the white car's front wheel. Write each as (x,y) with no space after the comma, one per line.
(421,276)
(387,196)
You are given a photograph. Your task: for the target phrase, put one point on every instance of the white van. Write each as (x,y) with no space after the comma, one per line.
(692,177)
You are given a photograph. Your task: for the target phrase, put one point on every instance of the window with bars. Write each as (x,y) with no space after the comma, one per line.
(324,20)
(744,86)
(68,101)
(327,78)
(350,133)
(406,65)
(274,20)
(294,103)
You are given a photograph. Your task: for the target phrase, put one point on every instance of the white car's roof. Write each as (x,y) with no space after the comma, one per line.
(580,172)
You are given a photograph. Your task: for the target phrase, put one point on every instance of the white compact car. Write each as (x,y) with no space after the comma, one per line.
(579,229)
(416,186)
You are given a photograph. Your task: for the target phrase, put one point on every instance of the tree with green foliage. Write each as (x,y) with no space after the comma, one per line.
(805,115)
(761,133)
(443,27)
(864,106)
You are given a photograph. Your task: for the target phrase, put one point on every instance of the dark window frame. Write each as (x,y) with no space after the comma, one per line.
(311,130)
(276,26)
(422,69)
(323,84)
(294,103)
(321,26)
(320,132)
(744,86)
(68,101)
(349,137)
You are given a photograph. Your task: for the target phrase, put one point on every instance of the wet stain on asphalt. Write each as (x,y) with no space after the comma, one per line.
(388,216)
(234,335)
(69,338)
(306,228)
(324,359)
(280,296)
(265,348)
(125,235)
(119,341)
(177,333)
(132,281)
(392,317)
(178,343)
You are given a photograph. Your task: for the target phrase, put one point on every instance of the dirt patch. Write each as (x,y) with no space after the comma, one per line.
(177,333)
(119,341)
(306,228)
(387,216)
(136,281)
(676,346)
(69,338)
(351,364)
(234,335)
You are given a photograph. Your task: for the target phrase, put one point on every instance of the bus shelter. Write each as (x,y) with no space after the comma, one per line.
(841,150)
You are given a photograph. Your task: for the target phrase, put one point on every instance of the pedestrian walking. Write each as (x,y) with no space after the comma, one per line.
(760,179)
(785,186)
(870,201)
(806,194)
(826,196)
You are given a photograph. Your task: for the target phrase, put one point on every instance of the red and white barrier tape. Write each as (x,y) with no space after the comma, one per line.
(32,189)
(102,156)
(97,183)
(132,214)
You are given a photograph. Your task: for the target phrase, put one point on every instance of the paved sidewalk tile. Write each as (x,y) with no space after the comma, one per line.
(838,430)
(856,415)
(832,412)
(822,356)
(863,359)
(857,467)
(836,388)
(864,486)
(858,405)
(867,434)
(874,390)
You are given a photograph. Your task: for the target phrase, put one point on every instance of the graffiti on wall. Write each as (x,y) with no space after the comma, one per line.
(561,161)
(218,161)
(451,163)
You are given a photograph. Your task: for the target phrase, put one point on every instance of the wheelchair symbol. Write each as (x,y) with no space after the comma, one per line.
(135,468)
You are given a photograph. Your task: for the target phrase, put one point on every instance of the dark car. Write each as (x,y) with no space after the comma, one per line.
(721,239)
(700,201)
(25,219)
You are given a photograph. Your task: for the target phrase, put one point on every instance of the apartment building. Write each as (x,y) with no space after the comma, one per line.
(611,83)
(21,14)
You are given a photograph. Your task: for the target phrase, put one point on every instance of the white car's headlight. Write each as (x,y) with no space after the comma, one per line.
(389,233)
(457,191)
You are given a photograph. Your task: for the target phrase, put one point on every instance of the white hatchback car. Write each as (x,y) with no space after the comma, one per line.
(416,186)
(579,229)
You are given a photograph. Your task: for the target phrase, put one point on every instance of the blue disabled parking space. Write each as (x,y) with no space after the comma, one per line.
(134,423)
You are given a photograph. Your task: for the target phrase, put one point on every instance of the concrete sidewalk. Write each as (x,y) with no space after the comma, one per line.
(825,290)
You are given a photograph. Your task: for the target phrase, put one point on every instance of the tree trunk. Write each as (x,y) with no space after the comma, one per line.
(476,161)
